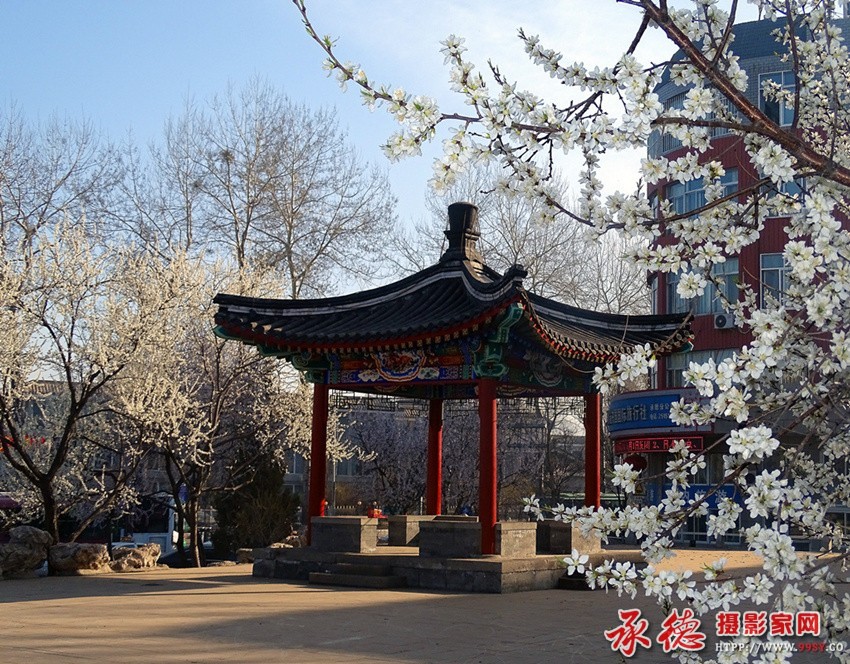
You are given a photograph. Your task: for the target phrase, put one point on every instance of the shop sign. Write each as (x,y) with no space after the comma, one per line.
(643,411)
(641,445)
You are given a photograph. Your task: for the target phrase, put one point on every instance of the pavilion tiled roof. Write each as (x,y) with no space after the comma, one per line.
(574,332)
(442,302)
(457,297)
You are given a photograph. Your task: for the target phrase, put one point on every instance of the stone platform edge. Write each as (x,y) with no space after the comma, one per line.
(484,574)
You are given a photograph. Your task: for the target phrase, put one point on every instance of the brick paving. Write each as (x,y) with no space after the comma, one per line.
(223,614)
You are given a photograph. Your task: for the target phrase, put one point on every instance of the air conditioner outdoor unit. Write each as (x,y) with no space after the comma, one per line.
(723,322)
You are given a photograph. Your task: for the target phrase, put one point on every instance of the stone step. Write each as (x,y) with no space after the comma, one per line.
(357,580)
(361,569)
(574,582)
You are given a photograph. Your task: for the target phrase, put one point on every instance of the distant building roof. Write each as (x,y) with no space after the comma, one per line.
(755,40)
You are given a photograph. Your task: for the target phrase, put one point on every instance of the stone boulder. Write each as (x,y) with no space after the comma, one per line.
(244,556)
(126,559)
(25,552)
(30,536)
(78,559)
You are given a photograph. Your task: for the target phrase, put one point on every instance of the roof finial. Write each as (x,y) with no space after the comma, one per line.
(463,233)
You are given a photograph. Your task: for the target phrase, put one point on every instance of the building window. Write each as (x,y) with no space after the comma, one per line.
(730,111)
(653,293)
(295,463)
(774,277)
(711,301)
(665,142)
(676,363)
(689,196)
(348,468)
(675,304)
(797,187)
(777,109)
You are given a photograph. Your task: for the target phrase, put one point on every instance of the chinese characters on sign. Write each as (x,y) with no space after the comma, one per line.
(640,412)
(628,636)
(681,631)
(637,445)
(758,623)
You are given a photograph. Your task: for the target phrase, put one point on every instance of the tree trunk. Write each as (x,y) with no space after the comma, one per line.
(192,506)
(51,515)
(180,527)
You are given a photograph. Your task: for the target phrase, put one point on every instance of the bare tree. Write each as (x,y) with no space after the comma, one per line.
(561,264)
(268,181)
(394,445)
(51,172)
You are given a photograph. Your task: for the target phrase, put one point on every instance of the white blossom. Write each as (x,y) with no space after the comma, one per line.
(792,371)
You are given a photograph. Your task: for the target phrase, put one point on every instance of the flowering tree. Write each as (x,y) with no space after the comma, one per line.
(795,373)
(211,409)
(75,315)
(272,190)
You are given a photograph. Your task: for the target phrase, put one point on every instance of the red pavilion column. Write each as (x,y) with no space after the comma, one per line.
(318,456)
(487,489)
(592,450)
(434,487)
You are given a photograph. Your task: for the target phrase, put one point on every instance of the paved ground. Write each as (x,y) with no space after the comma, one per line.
(225,615)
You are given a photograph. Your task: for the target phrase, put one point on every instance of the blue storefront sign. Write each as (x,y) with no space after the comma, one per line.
(646,412)
(723,491)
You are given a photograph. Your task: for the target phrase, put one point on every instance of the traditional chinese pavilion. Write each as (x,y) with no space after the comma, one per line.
(456,330)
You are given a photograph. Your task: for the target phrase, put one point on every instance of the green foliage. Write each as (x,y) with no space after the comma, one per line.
(262,511)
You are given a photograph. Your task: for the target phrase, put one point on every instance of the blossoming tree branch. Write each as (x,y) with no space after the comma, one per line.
(795,373)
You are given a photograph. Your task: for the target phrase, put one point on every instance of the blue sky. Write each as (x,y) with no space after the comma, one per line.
(128,65)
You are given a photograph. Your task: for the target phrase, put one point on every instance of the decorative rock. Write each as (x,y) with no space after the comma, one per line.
(30,536)
(293,541)
(71,559)
(244,556)
(25,552)
(20,559)
(127,559)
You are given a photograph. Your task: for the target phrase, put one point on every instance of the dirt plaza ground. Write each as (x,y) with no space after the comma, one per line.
(223,614)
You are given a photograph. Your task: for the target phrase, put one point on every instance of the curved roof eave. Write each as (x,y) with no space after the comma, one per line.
(573,333)
(447,301)
(482,290)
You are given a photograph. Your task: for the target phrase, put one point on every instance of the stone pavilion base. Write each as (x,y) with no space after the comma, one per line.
(479,574)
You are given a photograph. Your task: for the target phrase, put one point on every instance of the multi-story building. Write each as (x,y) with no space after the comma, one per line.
(639,422)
